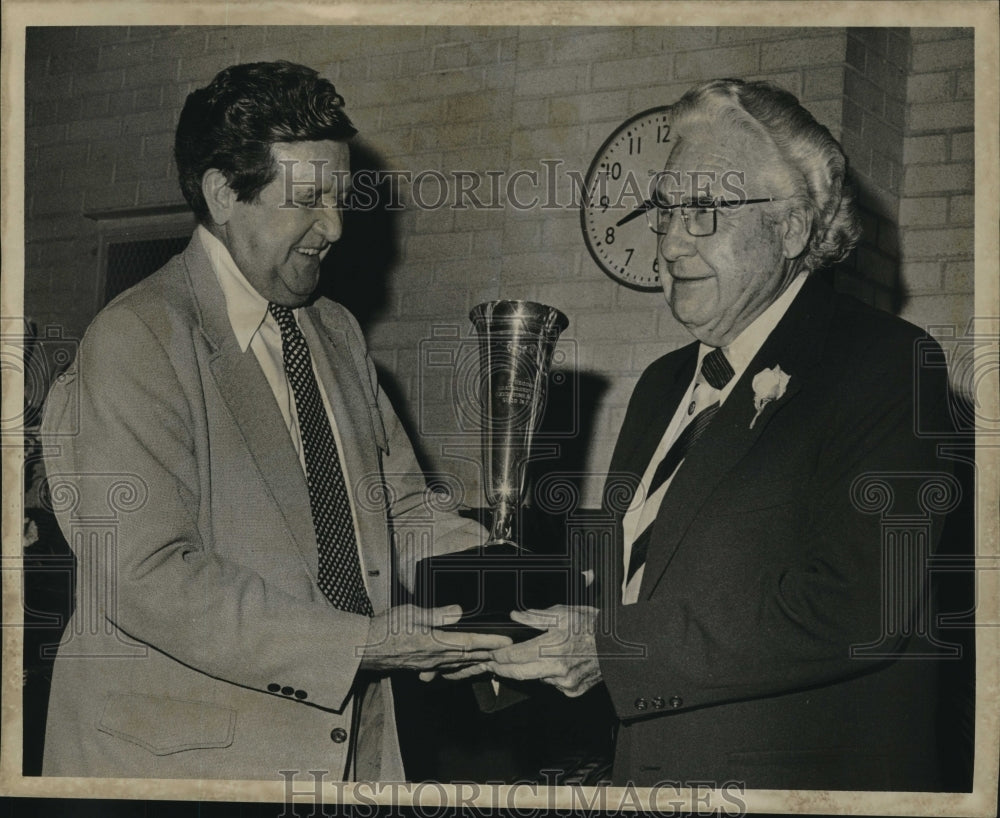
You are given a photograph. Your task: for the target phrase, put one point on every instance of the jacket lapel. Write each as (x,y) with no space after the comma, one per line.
(248,395)
(795,345)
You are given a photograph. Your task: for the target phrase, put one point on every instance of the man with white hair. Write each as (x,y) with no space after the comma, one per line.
(759,625)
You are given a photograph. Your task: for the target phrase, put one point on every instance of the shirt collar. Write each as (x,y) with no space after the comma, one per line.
(747,344)
(246,307)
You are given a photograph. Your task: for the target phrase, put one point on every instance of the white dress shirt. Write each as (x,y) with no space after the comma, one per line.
(256,328)
(699,395)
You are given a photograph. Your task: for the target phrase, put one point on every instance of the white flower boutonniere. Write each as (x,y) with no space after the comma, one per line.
(768,385)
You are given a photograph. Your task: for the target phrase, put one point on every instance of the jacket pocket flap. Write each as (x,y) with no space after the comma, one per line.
(164,726)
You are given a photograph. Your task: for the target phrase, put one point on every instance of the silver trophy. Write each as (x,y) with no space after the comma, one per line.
(516,340)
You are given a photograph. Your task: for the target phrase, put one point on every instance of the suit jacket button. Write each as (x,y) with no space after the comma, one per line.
(274,687)
(338,735)
(641,704)
(300,694)
(658,703)
(676,701)
(287,691)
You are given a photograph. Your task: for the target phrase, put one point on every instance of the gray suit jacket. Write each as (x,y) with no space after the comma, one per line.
(201,645)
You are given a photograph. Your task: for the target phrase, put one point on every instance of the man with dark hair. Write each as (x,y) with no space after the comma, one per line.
(244,620)
(760,625)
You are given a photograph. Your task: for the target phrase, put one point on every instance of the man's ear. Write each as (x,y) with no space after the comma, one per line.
(797,226)
(219,196)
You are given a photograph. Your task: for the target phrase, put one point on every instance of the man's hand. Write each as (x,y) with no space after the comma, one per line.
(565,655)
(407,638)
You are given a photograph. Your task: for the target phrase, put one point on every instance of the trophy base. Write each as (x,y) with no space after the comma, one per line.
(489,582)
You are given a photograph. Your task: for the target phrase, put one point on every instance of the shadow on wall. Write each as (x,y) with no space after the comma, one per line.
(355,270)
(880,242)
(568,424)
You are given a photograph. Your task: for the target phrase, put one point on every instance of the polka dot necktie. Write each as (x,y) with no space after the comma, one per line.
(717,372)
(339,565)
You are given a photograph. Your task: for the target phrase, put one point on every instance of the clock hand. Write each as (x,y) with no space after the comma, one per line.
(646,205)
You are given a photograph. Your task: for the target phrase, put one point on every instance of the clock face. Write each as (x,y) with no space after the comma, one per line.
(621,178)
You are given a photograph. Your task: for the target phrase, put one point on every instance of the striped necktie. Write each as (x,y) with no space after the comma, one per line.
(717,372)
(339,564)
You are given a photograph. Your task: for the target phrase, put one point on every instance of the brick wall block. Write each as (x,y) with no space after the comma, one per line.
(923,212)
(962,209)
(159,191)
(590,107)
(963,146)
(439,247)
(931,87)
(446,83)
(748,34)
(74,61)
(110,198)
(480,106)
(820,83)
(864,92)
(956,176)
(726,62)
(561,80)
(877,267)
(554,141)
(887,76)
(924,276)
(856,54)
(528,113)
(607,359)
(533,53)
(588,46)
(580,297)
(953,53)
(88,129)
(487,243)
(959,276)
(926,34)
(125,55)
(633,71)
(938,243)
(803,52)
(965,86)
(685,38)
(925,149)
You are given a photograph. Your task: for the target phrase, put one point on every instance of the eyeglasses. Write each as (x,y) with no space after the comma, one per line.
(699,217)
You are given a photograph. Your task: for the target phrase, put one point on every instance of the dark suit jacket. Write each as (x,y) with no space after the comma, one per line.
(201,645)
(766,566)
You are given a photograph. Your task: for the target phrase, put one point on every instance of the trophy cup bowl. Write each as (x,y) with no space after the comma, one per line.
(516,340)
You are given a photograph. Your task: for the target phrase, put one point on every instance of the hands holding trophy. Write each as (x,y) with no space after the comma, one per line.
(516,340)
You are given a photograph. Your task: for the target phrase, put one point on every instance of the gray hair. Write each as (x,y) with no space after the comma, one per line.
(806,148)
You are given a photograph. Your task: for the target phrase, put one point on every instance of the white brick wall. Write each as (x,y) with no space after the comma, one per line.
(102,104)
(936,235)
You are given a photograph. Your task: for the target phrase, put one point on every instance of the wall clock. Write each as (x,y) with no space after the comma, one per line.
(619,180)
